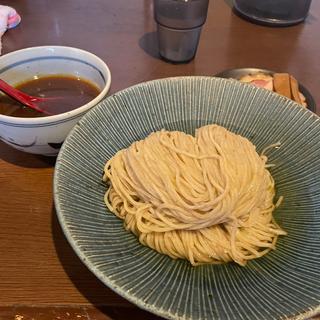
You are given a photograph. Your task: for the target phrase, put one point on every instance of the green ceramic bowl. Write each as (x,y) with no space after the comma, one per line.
(285,283)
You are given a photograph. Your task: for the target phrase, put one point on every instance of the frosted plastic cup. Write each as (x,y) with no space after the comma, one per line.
(179,25)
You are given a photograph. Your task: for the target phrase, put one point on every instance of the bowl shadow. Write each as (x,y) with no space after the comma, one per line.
(24,159)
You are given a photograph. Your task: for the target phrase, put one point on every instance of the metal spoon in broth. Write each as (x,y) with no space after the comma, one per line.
(47,95)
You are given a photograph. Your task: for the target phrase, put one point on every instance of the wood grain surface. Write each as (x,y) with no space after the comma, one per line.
(37,265)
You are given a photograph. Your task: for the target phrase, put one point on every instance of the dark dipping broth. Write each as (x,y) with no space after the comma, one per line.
(73,92)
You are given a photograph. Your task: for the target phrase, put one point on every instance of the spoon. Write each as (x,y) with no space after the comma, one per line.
(33,102)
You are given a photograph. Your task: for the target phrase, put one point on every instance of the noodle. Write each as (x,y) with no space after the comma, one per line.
(208,198)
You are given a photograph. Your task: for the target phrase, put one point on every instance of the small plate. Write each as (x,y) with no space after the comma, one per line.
(238,73)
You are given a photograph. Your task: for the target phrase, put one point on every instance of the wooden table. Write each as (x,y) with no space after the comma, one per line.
(40,275)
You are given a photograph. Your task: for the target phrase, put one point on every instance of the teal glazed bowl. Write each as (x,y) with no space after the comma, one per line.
(284,284)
